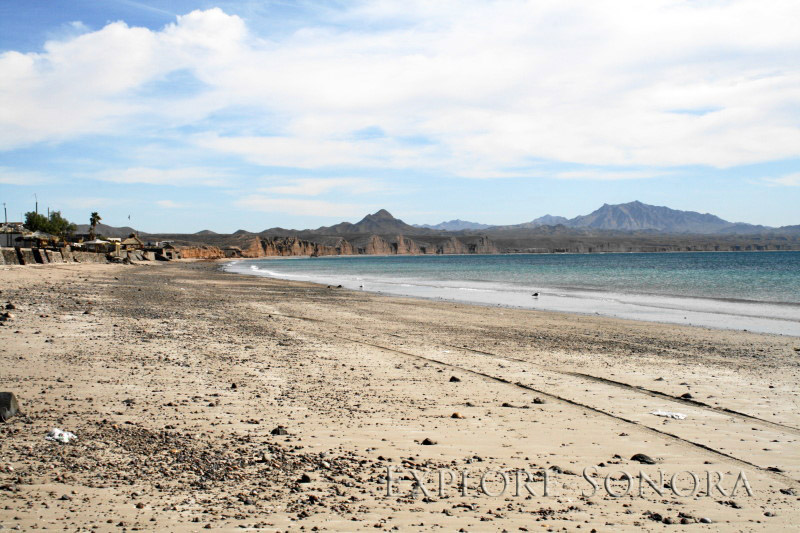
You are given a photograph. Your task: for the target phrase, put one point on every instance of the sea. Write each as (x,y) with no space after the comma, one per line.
(754,291)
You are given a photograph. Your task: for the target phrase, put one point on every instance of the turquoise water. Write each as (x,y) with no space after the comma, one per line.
(757,276)
(756,291)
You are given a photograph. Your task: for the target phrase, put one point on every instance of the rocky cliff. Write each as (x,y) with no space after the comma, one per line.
(201,252)
(278,246)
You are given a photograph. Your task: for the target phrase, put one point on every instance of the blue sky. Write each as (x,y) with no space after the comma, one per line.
(236,114)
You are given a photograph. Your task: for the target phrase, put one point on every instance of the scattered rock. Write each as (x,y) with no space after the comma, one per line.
(8,405)
(280,430)
(428,442)
(456,415)
(305,478)
(506,404)
(705,520)
(539,401)
(686,396)
(9,305)
(454,379)
(644,459)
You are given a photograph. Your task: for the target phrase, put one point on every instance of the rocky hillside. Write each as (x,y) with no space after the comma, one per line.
(638,216)
(633,227)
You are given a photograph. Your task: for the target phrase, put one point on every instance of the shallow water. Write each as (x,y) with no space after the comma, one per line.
(758,291)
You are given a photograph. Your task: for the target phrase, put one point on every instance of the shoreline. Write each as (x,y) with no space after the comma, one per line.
(655,308)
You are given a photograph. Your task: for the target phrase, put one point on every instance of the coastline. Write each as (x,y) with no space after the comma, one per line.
(358,381)
(780,318)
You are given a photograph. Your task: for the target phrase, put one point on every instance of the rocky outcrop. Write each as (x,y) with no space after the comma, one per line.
(452,246)
(253,248)
(405,246)
(287,246)
(484,245)
(376,246)
(201,252)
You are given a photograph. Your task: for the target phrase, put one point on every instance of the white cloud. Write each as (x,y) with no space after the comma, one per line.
(607,175)
(169,204)
(317,186)
(490,86)
(296,206)
(13,176)
(164,176)
(789,180)
(91,202)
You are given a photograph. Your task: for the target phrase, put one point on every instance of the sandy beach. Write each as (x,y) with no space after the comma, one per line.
(208,400)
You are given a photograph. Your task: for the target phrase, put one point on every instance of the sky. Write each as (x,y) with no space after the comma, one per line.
(192,115)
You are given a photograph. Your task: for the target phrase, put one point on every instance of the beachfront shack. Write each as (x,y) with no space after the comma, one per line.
(98,246)
(35,239)
(9,233)
(131,243)
(169,251)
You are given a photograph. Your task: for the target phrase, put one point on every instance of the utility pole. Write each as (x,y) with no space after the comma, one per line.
(37,203)
(5,213)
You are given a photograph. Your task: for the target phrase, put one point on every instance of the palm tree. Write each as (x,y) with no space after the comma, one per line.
(93,220)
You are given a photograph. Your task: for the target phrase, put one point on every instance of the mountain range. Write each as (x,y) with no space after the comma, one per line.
(633,216)
(629,217)
(629,227)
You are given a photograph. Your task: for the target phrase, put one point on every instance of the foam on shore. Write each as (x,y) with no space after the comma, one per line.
(762,317)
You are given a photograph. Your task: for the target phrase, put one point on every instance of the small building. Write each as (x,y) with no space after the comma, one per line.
(35,239)
(9,233)
(131,243)
(98,246)
(169,251)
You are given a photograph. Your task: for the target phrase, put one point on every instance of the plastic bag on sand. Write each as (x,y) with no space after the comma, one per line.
(59,435)
(669,414)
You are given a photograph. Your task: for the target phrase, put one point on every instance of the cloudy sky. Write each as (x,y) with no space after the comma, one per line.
(189,115)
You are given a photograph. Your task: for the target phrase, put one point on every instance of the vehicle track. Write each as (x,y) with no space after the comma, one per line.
(664,434)
(705,448)
(643,390)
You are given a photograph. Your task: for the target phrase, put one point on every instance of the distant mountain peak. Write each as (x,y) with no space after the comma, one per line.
(383,213)
(380,222)
(454,225)
(635,216)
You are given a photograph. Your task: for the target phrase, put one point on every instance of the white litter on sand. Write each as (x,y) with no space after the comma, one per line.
(669,414)
(59,435)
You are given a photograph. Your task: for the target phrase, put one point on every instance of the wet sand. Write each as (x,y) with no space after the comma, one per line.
(174,376)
